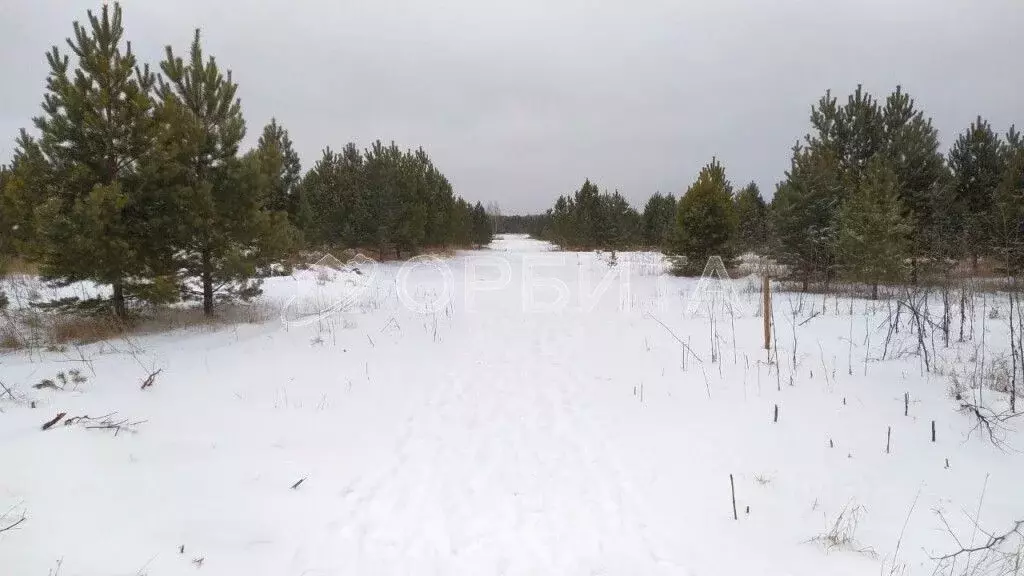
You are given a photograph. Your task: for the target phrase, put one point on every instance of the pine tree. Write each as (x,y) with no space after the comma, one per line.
(977,163)
(97,124)
(622,223)
(658,219)
(25,186)
(7,229)
(804,214)
(752,218)
(873,231)
(461,227)
(483,232)
(281,167)
(1006,222)
(225,233)
(381,181)
(852,133)
(706,220)
(912,150)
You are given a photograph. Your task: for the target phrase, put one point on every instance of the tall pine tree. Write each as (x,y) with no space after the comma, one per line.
(97,124)
(976,161)
(912,151)
(225,232)
(1006,222)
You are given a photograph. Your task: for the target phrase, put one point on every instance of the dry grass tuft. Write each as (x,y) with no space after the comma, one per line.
(841,534)
(37,329)
(76,329)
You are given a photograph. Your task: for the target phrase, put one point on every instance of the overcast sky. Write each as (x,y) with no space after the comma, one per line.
(519,101)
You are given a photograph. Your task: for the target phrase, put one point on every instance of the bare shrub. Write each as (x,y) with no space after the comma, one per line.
(1001,554)
(9,338)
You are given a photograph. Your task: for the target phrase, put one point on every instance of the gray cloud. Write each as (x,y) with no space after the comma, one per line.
(518,102)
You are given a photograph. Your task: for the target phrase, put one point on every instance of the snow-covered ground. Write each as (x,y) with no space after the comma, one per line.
(512,411)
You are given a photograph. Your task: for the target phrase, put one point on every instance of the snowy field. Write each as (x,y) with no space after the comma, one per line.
(511,411)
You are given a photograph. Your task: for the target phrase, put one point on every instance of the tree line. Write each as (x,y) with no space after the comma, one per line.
(868,196)
(135,178)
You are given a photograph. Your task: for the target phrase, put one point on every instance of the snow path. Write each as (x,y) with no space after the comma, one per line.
(508,442)
(486,438)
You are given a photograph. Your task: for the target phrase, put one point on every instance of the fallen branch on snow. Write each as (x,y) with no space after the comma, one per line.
(150,379)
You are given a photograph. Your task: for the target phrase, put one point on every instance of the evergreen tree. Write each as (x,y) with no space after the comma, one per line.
(24,186)
(832,163)
(752,218)
(823,172)
(622,223)
(7,229)
(381,178)
(483,231)
(852,133)
(912,150)
(225,232)
(384,197)
(977,163)
(658,219)
(804,212)
(873,232)
(706,220)
(461,228)
(592,219)
(281,167)
(1007,216)
(97,124)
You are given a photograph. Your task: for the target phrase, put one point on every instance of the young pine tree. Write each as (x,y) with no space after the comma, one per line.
(24,187)
(977,163)
(706,220)
(804,214)
(912,150)
(657,220)
(1006,222)
(225,232)
(483,230)
(97,124)
(873,233)
(752,218)
(280,165)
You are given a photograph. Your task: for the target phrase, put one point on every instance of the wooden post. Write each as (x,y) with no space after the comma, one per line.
(933,430)
(767,310)
(906,403)
(732,487)
(776,418)
(888,437)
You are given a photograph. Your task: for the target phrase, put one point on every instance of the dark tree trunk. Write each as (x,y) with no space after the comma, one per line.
(207,285)
(874,291)
(120,310)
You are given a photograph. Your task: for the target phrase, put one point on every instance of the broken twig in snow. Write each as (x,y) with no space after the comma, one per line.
(49,424)
(150,379)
